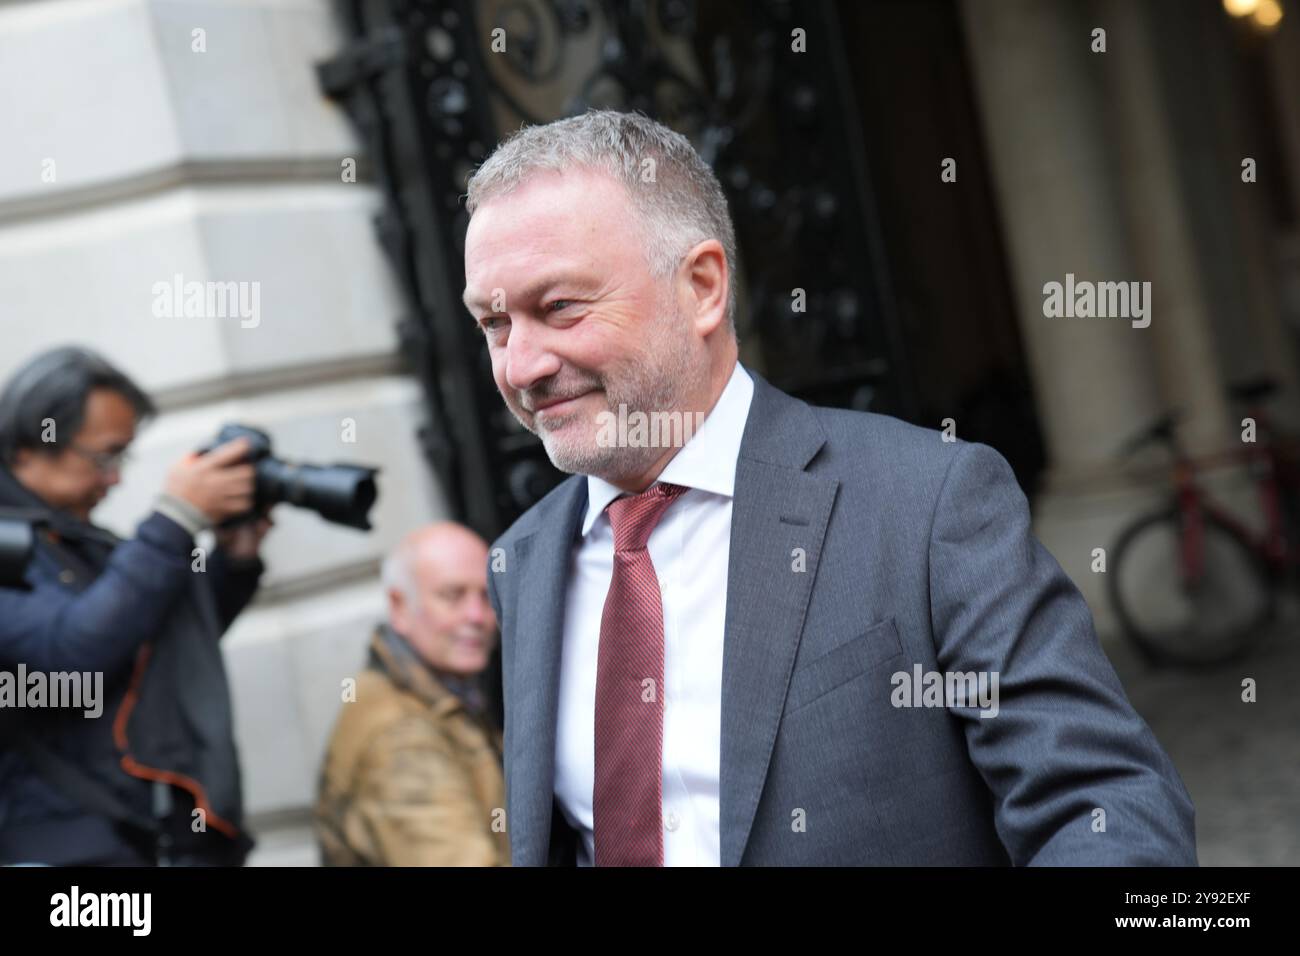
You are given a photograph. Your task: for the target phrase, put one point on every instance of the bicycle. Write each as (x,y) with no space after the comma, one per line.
(1190,583)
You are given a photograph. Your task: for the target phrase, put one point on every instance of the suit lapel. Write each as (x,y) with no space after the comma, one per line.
(544,559)
(778,523)
(778,507)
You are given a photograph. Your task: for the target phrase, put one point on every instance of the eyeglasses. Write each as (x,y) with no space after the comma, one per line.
(104,461)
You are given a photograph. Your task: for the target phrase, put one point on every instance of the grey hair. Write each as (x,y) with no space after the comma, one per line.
(686,206)
(396,573)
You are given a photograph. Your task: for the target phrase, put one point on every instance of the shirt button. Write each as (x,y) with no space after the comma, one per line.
(67,577)
(671,821)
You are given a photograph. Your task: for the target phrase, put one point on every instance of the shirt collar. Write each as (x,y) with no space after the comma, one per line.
(706,462)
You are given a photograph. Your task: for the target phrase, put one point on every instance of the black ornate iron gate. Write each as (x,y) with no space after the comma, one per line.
(761,88)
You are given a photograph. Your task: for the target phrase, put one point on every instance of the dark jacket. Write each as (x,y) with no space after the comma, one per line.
(80,790)
(917,557)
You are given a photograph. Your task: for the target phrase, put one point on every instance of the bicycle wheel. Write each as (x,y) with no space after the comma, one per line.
(1215,619)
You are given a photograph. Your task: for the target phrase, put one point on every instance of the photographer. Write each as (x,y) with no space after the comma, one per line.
(155,778)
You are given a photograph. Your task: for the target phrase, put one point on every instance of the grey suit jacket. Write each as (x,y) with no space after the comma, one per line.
(915,552)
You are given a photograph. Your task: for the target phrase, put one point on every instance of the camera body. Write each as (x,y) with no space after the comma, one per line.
(339,493)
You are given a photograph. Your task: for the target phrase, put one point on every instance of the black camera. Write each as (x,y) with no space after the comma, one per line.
(339,493)
(17,541)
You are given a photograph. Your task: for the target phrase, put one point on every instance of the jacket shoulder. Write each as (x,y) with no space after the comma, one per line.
(871,442)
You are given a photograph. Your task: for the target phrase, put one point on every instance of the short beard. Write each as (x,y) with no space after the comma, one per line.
(659,380)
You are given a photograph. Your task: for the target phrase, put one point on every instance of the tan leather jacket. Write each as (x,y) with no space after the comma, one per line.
(411,777)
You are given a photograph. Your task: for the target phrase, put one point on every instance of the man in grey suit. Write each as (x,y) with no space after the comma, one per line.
(751,631)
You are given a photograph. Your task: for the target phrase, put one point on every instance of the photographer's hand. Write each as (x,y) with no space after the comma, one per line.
(215,483)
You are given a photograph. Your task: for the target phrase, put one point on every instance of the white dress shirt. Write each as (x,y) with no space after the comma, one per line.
(690,548)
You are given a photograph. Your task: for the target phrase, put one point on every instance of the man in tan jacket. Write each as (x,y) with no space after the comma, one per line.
(413,774)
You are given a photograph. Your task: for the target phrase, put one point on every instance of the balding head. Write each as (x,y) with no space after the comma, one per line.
(436,583)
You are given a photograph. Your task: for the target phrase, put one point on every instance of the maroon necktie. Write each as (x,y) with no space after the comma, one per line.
(627,798)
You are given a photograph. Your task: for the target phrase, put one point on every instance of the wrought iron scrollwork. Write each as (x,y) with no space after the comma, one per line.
(431,96)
